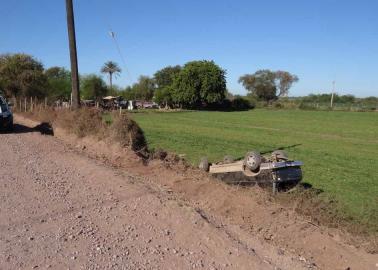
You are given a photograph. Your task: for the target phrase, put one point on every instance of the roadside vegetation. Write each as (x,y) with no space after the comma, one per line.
(90,122)
(338,148)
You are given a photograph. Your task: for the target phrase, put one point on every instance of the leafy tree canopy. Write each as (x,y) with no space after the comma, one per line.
(111,68)
(128,93)
(59,83)
(260,84)
(144,89)
(166,76)
(93,87)
(164,80)
(115,91)
(22,75)
(163,96)
(199,82)
(284,80)
(264,83)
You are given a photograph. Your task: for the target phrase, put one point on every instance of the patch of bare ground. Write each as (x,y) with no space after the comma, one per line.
(322,211)
(250,216)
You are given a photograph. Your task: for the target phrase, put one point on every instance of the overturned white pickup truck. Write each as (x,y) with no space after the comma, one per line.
(275,169)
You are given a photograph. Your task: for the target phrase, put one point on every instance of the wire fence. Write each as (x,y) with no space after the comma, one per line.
(32,104)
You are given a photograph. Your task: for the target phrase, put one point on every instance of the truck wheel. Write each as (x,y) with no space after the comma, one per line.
(228,159)
(252,160)
(10,128)
(204,164)
(280,155)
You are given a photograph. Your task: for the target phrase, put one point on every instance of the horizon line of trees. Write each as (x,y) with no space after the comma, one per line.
(325,99)
(196,84)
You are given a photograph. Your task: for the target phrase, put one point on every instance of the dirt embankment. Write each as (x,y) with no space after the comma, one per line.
(248,218)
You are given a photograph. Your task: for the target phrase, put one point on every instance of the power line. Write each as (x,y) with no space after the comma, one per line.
(113,36)
(333,92)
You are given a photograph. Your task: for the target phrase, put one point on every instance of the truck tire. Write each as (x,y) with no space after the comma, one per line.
(10,127)
(280,155)
(228,159)
(204,164)
(252,160)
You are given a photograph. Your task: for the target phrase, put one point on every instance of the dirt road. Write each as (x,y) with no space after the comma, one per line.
(61,209)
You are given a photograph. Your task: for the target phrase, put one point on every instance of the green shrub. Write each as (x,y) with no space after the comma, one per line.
(241,104)
(278,105)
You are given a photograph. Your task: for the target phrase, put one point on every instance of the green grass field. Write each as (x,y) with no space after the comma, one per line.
(339,149)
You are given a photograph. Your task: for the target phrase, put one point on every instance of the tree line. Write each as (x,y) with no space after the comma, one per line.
(197,84)
(322,101)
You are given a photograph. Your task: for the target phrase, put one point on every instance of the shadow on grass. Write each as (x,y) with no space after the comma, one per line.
(308,186)
(281,148)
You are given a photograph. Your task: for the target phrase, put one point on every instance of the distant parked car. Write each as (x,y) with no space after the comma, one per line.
(88,103)
(141,104)
(6,116)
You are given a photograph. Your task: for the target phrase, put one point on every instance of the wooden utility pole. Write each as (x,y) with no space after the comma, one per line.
(333,91)
(73,55)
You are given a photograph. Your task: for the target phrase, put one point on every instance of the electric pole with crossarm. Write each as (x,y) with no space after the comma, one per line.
(73,55)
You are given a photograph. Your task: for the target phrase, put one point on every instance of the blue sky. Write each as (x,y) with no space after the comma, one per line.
(319,41)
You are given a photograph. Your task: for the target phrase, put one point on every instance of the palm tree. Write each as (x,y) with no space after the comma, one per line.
(111,68)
